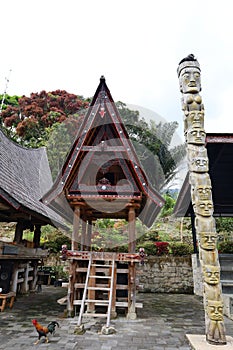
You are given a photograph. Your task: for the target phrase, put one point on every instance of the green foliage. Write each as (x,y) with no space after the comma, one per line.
(55,240)
(149,246)
(225,247)
(168,206)
(180,249)
(224,224)
(152,143)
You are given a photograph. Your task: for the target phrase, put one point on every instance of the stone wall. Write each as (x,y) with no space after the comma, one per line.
(166,274)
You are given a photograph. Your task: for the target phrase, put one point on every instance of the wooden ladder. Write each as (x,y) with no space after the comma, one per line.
(91,285)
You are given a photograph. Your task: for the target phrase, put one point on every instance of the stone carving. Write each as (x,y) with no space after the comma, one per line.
(194,119)
(189,74)
(198,159)
(208,240)
(215,325)
(211,274)
(195,136)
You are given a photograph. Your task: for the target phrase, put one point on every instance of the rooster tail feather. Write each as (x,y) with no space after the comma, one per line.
(52,326)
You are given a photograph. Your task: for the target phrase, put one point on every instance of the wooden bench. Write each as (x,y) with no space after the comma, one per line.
(5,297)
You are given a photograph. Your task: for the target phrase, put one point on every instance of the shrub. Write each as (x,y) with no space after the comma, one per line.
(162,248)
(180,249)
(226,247)
(149,246)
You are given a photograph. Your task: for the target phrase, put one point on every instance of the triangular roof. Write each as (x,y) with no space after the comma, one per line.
(102,138)
(24,177)
(219,149)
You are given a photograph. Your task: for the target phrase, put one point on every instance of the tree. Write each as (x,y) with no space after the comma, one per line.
(52,120)
(27,120)
(152,143)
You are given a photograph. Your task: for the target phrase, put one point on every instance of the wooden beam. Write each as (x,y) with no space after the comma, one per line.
(36,237)
(75,233)
(18,232)
(132,234)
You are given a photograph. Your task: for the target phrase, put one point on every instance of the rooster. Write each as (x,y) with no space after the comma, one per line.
(44,331)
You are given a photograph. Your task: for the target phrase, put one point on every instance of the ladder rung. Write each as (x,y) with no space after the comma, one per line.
(94,315)
(81,269)
(92,276)
(97,301)
(98,288)
(100,265)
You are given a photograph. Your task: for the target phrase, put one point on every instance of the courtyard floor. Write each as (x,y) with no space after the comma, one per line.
(161,324)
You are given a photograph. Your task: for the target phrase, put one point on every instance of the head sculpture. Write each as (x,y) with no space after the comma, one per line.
(211,274)
(215,310)
(195,136)
(194,119)
(189,75)
(208,240)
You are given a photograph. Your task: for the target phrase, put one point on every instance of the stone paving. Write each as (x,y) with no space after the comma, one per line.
(161,324)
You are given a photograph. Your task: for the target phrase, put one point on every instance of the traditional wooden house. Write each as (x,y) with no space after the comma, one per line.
(102,178)
(24,178)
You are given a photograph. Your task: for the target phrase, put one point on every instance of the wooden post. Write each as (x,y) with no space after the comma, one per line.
(37,234)
(15,277)
(83,234)
(132,235)
(71,289)
(25,286)
(89,233)
(91,293)
(18,232)
(132,268)
(75,233)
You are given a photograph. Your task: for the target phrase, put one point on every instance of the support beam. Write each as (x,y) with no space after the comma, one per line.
(132,233)
(83,234)
(18,232)
(89,234)
(75,233)
(36,238)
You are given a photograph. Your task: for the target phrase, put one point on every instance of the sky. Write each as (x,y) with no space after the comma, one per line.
(137,45)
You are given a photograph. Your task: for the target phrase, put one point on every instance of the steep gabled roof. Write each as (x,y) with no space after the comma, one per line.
(24,177)
(220,154)
(102,137)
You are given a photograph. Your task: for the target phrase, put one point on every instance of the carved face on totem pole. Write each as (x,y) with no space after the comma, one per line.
(208,240)
(194,119)
(215,310)
(198,160)
(211,274)
(195,136)
(203,208)
(189,75)
(201,192)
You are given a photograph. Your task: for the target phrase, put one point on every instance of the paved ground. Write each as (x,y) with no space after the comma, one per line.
(161,324)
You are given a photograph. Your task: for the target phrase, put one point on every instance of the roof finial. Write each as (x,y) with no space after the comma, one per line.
(102,78)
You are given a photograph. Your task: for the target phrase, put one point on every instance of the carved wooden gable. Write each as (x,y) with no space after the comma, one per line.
(102,164)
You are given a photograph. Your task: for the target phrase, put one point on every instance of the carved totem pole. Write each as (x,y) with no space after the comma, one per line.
(201,196)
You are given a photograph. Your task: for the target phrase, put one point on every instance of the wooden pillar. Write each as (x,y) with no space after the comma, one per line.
(89,234)
(132,234)
(25,287)
(15,277)
(37,234)
(75,233)
(71,289)
(132,268)
(83,234)
(18,232)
